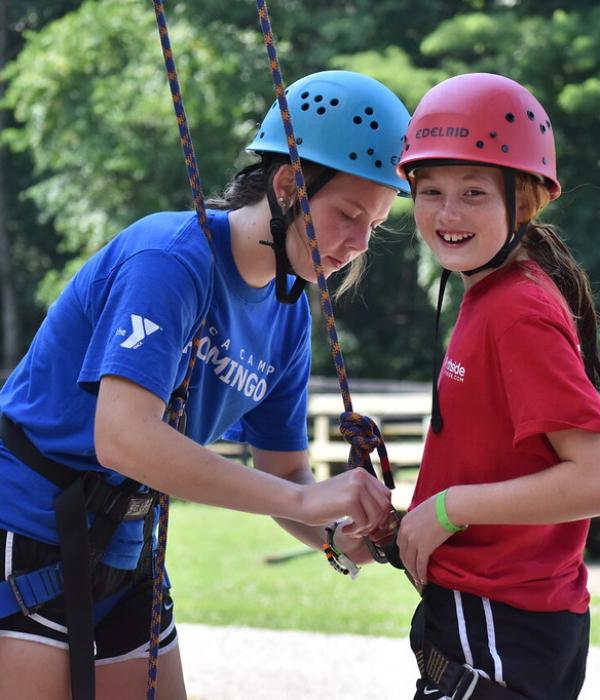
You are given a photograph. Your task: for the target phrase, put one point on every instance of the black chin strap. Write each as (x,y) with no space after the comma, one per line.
(437,421)
(279,225)
(514,237)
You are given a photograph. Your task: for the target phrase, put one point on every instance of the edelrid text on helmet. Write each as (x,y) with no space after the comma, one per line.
(344,120)
(483,118)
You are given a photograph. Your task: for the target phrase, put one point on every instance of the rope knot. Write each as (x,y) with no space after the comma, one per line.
(360,431)
(364,436)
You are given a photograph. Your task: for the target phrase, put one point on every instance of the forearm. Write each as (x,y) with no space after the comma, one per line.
(565,492)
(172,463)
(309,535)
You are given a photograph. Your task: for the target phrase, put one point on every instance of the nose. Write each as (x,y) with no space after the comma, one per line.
(358,241)
(449,211)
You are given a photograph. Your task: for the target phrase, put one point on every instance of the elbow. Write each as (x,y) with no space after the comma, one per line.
(109,444)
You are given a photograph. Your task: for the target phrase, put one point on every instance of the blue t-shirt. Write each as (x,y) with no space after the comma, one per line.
(132,311)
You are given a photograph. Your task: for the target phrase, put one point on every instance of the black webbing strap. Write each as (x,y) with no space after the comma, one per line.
(18,443)
(461,682)
(81,548)
(77,571)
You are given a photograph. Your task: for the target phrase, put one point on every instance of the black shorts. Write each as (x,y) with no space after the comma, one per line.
(123,631)
(540,655)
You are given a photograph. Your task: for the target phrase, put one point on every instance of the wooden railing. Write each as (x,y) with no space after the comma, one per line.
(402,417)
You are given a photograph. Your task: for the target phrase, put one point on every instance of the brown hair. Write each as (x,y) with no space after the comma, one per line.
(543,245)
(250,185)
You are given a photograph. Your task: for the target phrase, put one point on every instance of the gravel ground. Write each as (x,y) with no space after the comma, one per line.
(240,663)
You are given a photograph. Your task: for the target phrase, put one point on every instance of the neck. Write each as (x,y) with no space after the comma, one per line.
(250,225)
(470,281)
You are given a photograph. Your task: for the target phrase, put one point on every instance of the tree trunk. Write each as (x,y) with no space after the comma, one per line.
(9,340)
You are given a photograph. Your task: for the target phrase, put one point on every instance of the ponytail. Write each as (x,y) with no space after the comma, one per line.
(544,246)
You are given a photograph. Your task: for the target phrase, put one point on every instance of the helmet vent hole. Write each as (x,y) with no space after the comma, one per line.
(369,110)
(505,148)
(374,125)
(543,128)
(548,124)
(544,160)
(407,147)
(510,117)
(493,134)
(299,140)
(370,152)
(357,120)
(530,114)
(353,156)
(335,102)
(262,135)
(480,144)
(304,95)
(305,106)
(321,110)
(378,164)
(318,98)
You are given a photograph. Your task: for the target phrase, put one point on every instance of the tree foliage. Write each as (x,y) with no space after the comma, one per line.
(94,142)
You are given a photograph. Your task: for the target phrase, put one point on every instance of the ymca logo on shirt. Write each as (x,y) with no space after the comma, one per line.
(454,370)
(141,328)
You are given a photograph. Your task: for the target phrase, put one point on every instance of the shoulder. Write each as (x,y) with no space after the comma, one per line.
(525,293)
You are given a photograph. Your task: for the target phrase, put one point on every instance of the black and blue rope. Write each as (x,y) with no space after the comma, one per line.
(360,431)
(177,403)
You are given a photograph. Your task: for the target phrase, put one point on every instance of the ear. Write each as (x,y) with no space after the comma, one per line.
(284,185)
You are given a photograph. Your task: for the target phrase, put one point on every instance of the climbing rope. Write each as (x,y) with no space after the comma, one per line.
(175,410)
(360,431)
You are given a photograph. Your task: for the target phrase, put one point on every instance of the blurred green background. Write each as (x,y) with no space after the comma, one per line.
(89,140)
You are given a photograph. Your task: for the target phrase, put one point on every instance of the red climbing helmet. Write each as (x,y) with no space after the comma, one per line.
(482,118)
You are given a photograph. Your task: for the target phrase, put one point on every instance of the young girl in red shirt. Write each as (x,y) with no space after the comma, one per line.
(511,470)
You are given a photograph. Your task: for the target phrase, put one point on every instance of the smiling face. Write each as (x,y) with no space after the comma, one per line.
(345,213)
(461,214)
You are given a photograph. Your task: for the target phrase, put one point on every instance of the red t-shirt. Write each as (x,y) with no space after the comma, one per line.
(512,373)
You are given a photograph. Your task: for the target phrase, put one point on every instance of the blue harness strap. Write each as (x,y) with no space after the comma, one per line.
(26,593)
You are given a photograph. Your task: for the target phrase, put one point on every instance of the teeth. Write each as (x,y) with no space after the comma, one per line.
(455,237)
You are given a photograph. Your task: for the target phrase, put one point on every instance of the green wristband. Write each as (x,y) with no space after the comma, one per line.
(442,515)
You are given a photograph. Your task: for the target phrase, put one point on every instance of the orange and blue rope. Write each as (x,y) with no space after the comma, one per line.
(177,403)
(360,431)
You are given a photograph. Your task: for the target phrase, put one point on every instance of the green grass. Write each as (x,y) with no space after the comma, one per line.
(215,561)
(216,564)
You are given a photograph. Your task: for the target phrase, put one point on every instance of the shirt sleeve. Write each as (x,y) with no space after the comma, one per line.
(143,318)
(545,382)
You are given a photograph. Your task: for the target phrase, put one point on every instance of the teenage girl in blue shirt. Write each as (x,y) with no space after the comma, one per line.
(91,392)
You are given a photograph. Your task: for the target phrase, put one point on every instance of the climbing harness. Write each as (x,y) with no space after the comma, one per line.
(360,431)
(81,548)
(454,680)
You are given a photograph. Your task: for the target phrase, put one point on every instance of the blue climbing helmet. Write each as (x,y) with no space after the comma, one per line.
(345,121)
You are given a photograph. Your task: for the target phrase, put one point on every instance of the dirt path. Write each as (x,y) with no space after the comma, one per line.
(237,663)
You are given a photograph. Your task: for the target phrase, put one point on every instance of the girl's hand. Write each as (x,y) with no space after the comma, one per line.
(419,535)
(354,494)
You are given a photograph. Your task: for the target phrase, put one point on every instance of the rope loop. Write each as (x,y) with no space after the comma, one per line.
(364,436)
